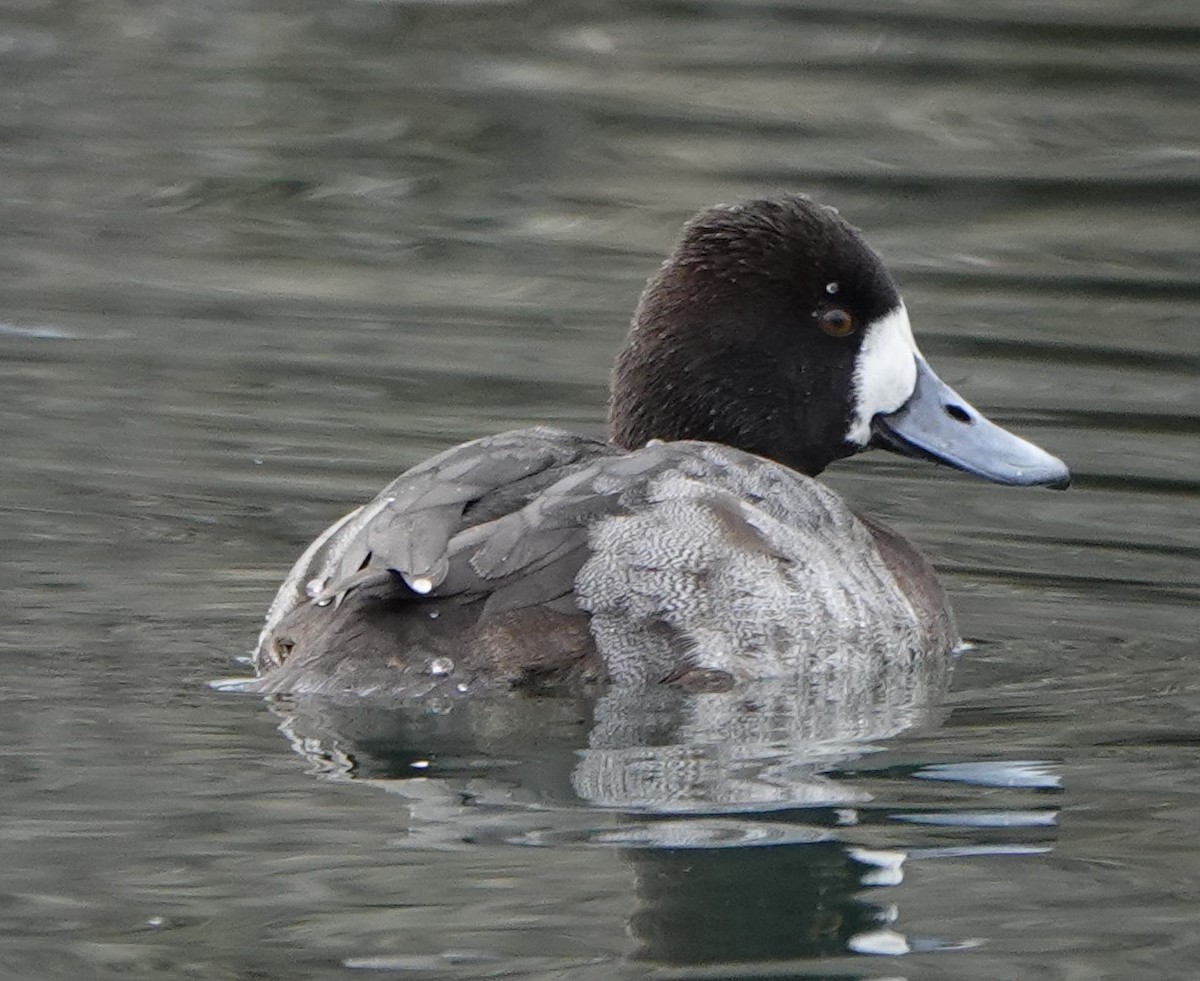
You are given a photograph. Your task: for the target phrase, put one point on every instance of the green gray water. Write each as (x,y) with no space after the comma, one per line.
(259,256)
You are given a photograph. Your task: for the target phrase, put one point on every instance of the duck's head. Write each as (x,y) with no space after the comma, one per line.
(774,327)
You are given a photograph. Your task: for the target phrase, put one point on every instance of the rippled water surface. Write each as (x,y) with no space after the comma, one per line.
(259,256)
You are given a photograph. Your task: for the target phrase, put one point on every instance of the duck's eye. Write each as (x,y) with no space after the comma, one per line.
(836,323)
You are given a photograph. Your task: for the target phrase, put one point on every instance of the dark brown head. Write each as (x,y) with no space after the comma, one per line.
(773,327)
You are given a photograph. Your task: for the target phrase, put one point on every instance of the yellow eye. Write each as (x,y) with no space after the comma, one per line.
(836,323)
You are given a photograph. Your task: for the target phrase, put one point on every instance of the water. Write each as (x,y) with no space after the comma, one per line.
(258,257)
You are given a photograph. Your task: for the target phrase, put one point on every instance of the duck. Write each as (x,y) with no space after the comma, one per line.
(694,546)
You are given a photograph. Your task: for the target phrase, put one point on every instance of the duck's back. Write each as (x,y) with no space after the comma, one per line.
(542,556)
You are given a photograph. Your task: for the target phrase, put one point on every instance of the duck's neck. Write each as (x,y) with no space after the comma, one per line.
(717,386)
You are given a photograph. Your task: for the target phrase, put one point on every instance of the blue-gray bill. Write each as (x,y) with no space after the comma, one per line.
(937,424)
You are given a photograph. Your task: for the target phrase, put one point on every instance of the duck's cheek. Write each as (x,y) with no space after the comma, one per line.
(885,372)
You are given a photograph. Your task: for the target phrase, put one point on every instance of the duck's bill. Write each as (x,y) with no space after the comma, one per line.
(937,424)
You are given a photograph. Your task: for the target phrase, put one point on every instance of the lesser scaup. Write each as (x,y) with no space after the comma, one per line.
(694,546)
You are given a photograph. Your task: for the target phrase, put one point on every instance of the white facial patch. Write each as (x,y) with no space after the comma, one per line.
(885,372)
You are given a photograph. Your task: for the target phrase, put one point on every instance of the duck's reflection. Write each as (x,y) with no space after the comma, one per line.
(732,808)
(745,905)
